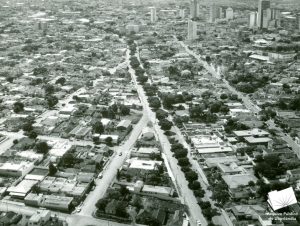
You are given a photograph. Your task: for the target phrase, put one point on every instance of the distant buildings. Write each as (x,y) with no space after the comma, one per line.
(194,9)
(229,13)
(266,17)
(262,18)
(253,20)
(213,13)
(153,18)
(192,30)
(298,21)
(182,13)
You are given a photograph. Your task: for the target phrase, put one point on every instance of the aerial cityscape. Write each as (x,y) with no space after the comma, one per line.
(150,112)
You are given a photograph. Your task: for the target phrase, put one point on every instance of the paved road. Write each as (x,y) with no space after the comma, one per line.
(185,193)
(110,172)
(295,147)
(223,219)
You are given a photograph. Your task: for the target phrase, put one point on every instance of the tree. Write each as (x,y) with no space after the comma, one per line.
(42,147)
(68,159)
(199,193)
(10,79)
(215,107)
(61,81)
(165,124)
(49,89)
(223,96)
(18,107)
(15,141)
(108,141)
(206,94)
(32,135)
(181,153)
(101,204)
(204,204)
(154,102)
(124,110)
(191,176)
(161,114)
(194,185)
(51,101)
(52,169)
(121,210)
(98,127)
(183,161)
(124,191)
(27,127)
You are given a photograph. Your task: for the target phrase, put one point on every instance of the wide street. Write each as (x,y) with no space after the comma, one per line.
(180,181)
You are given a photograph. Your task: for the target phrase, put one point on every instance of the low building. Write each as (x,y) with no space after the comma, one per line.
(124,125)
(147,133)
(15,169)
(210,144)
(259,141)
(137,166)
(54,202)
(60,148)
(144,152)
(39,218)
(22,189)
(237,183)
(251,133)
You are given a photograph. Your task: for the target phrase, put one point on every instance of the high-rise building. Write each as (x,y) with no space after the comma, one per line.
(194,9)
(213,13)
(263,13)
(182,13)
(229,13)
(153,18)
(253,20)
(192,30)
(298,21)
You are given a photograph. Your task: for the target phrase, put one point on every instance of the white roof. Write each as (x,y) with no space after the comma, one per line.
(143,164)
(23,187)
(16,166)
(60,148)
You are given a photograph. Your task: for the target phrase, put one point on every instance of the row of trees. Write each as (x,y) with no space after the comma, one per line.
(180,153)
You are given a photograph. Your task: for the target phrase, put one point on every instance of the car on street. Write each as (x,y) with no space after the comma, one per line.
(198,222)
(120,154)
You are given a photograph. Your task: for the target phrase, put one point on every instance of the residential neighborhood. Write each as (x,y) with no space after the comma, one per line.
(159,113)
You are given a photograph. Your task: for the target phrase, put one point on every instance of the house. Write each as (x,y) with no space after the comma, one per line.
(246,211)
(237,183)
(22,189)
(259,141)
(251,133)
(210,144)
(147,133)
(39,218)
(16,169)
(138,166)
(124,125)
(57,202)
(144,152)
(10,218)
